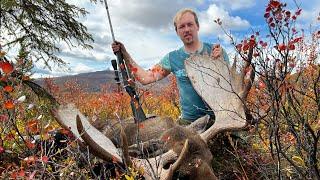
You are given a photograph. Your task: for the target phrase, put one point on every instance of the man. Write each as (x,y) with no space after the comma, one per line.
(187,27)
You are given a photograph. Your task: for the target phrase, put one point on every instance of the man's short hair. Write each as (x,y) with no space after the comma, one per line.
(182,12)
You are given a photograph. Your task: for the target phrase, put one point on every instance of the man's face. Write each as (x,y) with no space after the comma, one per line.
(187,29)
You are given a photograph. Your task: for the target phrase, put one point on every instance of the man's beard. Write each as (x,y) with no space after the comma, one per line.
(189,40)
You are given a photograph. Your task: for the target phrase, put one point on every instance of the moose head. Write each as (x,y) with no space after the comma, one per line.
(222,87)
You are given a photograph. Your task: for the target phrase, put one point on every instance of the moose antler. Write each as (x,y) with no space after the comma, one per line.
(223,89)
(66,116)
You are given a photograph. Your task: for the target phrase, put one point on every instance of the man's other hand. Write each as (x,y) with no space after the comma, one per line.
(117,47)
(216,51)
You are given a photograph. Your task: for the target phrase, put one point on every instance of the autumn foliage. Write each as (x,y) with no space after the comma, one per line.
(281,143)
(28,140)
(285,98)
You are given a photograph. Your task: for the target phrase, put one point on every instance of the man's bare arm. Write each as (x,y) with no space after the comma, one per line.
(154,74)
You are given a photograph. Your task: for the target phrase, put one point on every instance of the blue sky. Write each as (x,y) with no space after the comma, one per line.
(145,27)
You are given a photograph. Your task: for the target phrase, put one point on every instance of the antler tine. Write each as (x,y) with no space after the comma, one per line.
(125,149)
(247,86)
(217,128)
(234,64)
(169,173)
(101,146)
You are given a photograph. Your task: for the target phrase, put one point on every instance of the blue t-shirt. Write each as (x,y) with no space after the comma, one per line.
(192,105)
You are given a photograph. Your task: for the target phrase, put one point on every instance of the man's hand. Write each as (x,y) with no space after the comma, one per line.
(118,46)
(216,51)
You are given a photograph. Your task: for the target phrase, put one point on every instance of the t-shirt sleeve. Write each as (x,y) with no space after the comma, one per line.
(165,63)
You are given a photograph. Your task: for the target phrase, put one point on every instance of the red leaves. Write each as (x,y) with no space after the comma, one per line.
(30,159)
(296,40)
(263,44)
(288,13)
(292,65)
(18,174)
(8,88)
(3,117)
(252,42)
(268,9)
(146,93)
(67,132)
(32,126)
(141,125)
(272,25)
(276,15)
(6,67)
(274,4)
(247,44)
(294,17)
(291,46)
(298,12)
(282,47)
(165,138)
(45,159)
(9,104)
(270,20)
(9,136)
(21,173)
(256,54)
(30,144)
(262,85)
(266,15)
(1,150)
(317,34)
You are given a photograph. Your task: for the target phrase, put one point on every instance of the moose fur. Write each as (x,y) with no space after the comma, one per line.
(197,164)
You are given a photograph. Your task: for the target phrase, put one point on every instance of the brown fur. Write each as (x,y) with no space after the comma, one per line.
(197,163)
(152,128)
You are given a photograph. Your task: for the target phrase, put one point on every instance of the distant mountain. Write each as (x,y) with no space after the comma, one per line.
(92,81)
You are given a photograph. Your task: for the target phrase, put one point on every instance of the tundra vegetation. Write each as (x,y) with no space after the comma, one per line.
(281,140)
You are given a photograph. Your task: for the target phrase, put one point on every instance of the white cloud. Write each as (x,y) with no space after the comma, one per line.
(144,26)
(39,72)
(310,15)
(235,4)
(149,14)
(82,68)
(207,25)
